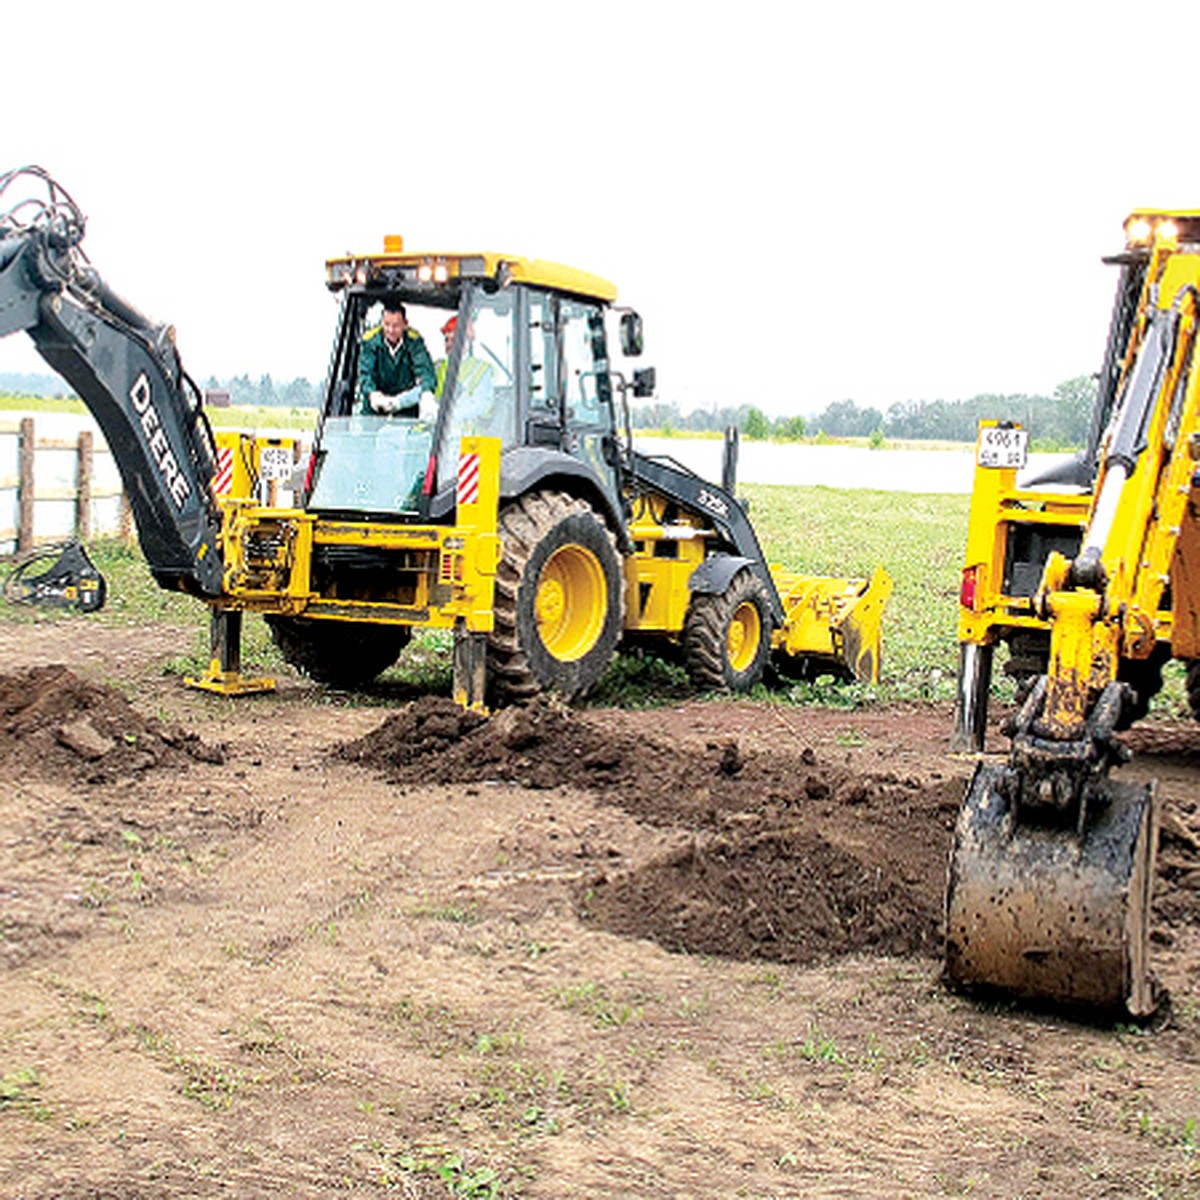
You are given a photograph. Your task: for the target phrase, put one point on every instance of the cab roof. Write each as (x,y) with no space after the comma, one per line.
(396,267)
(1162,226)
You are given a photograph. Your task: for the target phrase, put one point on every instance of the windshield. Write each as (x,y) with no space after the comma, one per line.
(377,435)
(402,378)
(477,378)
(518,364)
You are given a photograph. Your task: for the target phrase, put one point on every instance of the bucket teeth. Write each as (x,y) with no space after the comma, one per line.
(1041,910)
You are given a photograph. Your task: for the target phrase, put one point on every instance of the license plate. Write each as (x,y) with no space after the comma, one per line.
(275,462)
(1002,447)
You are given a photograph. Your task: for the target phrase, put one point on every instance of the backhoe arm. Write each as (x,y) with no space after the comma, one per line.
(1102,605)
(1053,864)
(127,371)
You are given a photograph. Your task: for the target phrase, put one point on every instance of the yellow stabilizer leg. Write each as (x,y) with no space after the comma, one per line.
(224,674)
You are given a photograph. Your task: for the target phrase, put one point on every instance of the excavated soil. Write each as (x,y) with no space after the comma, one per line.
(304,945)
(790,858)
(55,725)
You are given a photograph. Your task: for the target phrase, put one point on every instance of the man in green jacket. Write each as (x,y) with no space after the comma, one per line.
(394,368)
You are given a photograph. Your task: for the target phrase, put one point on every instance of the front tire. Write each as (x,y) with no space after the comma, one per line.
(560,599)
(727,637)
(341,654)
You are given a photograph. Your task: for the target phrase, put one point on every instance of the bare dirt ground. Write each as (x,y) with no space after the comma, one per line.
(317,945)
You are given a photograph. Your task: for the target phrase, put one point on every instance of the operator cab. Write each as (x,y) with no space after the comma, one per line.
(516,358)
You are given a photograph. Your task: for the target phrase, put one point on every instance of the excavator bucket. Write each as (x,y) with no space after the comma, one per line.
(61,575)
(1047,912)
(830,624)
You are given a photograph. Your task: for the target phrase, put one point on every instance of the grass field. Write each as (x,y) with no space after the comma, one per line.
(918,539)
(814,530)
(219,418)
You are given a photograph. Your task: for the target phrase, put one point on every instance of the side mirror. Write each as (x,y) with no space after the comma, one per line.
(644,381)
(631,334)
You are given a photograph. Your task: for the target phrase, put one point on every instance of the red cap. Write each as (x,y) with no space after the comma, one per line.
(451,325)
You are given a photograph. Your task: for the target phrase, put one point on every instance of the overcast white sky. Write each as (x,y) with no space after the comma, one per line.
(807,202)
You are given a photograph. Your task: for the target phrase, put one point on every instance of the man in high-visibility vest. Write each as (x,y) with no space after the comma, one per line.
(474,378)
(394,368)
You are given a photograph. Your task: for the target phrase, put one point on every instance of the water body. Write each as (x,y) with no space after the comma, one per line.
(856,467)
(947,471)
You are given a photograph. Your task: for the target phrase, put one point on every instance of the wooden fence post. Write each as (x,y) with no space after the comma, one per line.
(25,448)
(125,521)
(83,487)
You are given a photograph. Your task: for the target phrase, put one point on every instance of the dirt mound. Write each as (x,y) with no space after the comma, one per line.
(1164,739)
(1178,885)
(787,895)
(427,728)
(53,724)
(545,745)
(791,858)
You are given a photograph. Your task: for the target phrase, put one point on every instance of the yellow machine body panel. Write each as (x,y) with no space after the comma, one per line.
(443,573)
(836,620)
(832,623)
(994,595)
(437,268)
(1152,537)
(252,467)
(666,554)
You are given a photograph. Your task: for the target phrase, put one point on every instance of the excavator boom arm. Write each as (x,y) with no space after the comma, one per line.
(127,371)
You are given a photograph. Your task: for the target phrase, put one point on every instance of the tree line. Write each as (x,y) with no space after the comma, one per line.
(1060,419)
(1057,420)
(266,393)
(243,391)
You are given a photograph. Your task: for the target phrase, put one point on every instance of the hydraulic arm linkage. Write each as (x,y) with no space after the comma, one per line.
(1053,861)
(127,371)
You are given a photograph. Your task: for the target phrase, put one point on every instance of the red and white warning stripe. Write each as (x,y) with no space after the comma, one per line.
(223,480)
(468,479)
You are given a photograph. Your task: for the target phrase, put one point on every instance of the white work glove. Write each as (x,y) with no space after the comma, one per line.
(381,402)
(427,407)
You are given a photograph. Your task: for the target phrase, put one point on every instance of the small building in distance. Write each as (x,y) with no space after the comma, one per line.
(216,398)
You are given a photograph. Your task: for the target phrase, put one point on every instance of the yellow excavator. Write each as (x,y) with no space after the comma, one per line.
(1090,576)
(508,506)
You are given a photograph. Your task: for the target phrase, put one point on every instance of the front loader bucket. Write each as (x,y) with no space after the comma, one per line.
(831,624)
(1043,912)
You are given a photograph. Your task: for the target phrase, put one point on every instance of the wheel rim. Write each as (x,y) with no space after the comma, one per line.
(571,602)
(745,633)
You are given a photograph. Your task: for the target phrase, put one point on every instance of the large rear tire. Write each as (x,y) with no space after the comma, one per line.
(342,654)
(727,637)
(560,599)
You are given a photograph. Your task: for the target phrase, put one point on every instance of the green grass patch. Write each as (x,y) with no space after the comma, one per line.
(233,417)
(303,419)
(918,539)
(49,404)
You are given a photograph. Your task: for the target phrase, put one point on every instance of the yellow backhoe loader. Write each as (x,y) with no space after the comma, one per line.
(514,511)
(1090,575)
